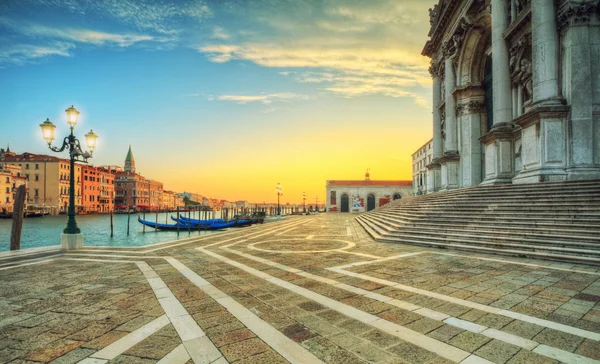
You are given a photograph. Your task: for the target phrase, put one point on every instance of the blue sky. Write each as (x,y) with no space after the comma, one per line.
(213,92)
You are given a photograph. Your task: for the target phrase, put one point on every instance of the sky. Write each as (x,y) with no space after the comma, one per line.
(224,98)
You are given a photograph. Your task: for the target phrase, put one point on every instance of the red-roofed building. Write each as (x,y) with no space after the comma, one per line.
(364,195)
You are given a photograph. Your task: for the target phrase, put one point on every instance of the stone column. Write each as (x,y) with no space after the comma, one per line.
(450,79)
(500,64)
(437,128)
(433,169)
(499,140)
(545,52)
(449,162)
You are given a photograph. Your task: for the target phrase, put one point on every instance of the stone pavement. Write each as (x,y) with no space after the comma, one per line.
(307,289)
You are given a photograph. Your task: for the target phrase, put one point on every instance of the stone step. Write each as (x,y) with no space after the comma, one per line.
(490,215)
(584,242)
(548,229)
(375,233)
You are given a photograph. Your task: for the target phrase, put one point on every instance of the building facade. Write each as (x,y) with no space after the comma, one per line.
(420,159)
(365,195)
(516,91)
(11,178)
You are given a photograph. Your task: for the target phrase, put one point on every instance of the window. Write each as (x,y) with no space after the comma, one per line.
(27,166)
(7,189)
(37,166)
(37,177)
(37,193)
(7,179)
(27,177)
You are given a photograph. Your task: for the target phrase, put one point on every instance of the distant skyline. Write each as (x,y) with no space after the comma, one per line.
(224,98)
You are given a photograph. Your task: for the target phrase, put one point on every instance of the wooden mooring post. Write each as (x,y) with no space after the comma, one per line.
(17,224)
(128,220)
(111,223)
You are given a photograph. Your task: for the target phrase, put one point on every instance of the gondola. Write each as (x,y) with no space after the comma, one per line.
(177,226)
(187,226)
(188,220)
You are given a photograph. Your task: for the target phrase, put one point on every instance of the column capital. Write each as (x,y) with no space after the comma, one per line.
(571,13)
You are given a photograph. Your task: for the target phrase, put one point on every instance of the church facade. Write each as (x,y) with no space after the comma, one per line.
(516,91)
(363,195)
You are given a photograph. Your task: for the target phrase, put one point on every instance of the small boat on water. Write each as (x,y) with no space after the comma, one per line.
(188,220)
(36,214)
(181,225)
(237,221)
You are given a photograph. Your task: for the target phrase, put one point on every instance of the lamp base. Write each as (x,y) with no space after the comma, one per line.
(71,241)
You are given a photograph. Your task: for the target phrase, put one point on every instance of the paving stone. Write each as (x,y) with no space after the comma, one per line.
(558,339)
(268,357)
(424,325)
(53,350)
(73,356)
(528,357)
(231,337)
(469,341)
(154,347)
(243,349)
(497,351)
(105,340)
(494,321)
(412,353)
(445,333)
(523,329)
(127,359)
(298,333)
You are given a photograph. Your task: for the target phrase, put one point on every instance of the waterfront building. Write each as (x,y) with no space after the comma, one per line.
(90,185)
(11,178)
(48,180)
(363,195)
(134,191)
(106,176)
(420,159)
(516,91)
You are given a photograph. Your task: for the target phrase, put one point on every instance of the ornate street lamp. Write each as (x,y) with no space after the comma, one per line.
(71,237)
(279,193)
(304,201)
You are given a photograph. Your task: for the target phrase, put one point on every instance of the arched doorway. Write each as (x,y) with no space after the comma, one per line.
(370,202)
(345,203)
(489,95)
(396,196)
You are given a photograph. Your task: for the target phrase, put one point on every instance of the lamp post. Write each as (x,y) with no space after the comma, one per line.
(304,202)
(279,193)
(317,203)
(71,237)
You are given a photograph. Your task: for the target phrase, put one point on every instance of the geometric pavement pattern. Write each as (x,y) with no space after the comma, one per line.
(307,289)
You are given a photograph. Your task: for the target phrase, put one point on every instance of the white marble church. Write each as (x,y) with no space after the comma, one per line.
(516,91)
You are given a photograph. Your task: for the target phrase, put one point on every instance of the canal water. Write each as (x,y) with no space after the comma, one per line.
(45,231)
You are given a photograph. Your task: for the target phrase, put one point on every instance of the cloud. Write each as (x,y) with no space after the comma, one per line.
(162,17)
(349,48)
(265,99)
(219,33)
(20,54)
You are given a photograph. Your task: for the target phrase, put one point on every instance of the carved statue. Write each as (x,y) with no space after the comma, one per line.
(433,14)
(526,79)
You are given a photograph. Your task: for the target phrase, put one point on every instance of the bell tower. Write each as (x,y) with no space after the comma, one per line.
(129,161)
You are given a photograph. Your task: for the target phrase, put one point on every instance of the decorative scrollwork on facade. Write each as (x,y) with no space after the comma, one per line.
(576,13)
(470,107)
(434,69)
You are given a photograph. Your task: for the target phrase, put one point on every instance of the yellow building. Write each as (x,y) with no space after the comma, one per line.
(48,180)
(10,179)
